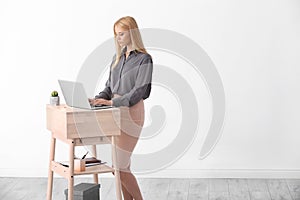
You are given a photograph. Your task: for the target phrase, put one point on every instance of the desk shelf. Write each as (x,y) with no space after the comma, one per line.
(65,172)
(97,169)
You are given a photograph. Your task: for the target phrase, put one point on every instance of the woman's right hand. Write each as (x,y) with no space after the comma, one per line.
(100,101)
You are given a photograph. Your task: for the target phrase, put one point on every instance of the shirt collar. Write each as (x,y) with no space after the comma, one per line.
(125,49)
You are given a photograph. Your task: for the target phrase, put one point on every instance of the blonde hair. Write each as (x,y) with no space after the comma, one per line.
(128,23)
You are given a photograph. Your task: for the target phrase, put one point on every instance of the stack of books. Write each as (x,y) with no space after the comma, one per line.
(93,161)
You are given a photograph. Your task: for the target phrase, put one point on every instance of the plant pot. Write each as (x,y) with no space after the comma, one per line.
(54,101)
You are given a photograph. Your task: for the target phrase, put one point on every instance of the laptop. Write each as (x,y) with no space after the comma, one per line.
(75,95)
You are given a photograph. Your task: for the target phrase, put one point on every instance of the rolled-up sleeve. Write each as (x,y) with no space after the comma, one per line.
(142,87)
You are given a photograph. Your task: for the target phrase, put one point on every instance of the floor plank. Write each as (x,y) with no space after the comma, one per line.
(278,189)
(198,189)
(294,188)
(158,189)
(258,189)
(18,191)
(218,189)
(144,185)
(238,189)
(178,189)
(6,185)
(105,187)
(36,191)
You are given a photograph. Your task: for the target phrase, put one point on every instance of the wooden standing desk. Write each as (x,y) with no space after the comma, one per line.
(78,127)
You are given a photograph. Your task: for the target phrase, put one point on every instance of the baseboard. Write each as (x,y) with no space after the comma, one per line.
(177,173)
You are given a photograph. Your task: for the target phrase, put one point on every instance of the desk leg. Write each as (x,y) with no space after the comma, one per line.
(116,168)
(50,172)
(94,152)
(71,174)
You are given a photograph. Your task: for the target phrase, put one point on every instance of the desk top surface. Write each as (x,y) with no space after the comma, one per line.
(67,109)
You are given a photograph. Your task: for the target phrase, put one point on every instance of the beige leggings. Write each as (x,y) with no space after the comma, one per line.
(132,121)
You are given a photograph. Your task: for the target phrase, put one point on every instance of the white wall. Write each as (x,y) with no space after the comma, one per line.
(254,45)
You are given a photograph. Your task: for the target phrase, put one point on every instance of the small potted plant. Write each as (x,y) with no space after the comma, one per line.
(54,99)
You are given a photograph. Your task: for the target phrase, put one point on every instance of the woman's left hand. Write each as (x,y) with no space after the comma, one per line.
(100,101)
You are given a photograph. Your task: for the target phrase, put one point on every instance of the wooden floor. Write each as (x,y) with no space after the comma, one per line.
(163,189)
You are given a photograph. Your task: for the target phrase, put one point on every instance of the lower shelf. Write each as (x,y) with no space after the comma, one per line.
(64,171)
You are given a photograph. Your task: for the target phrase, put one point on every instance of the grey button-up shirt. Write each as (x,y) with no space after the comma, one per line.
(131,78)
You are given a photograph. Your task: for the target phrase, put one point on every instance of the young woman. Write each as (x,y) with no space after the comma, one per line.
(128,85)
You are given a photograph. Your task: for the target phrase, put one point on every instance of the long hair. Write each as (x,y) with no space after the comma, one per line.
(128,23)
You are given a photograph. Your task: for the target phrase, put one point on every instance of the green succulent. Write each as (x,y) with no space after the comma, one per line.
(54,93)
